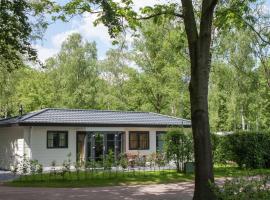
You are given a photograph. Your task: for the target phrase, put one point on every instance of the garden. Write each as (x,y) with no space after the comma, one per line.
(242,158)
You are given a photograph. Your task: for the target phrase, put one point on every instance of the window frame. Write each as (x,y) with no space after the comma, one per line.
(138,133)
(161,133)
(57,132)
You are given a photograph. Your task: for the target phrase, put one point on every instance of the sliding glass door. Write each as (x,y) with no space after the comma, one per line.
(101,143)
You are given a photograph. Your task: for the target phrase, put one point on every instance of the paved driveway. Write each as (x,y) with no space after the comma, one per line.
(177,191)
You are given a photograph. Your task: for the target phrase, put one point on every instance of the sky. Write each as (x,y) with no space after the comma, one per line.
(58,31)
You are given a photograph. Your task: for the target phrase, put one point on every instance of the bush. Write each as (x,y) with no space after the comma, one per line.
(215,141)
(123,161)
(179,147)
(247,149)
(243,189)
(108,161)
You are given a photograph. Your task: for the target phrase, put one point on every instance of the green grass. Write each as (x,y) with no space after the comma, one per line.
(128,178)
(100,179)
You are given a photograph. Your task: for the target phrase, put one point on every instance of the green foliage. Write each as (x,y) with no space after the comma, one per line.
(160,159)
(33,166)
(109,160)
(148,77)
(217,155)
(19,26)
(98,178)
(247,149)
(243,189)
(161,82)
(179,147)
(123,161)
(66,166)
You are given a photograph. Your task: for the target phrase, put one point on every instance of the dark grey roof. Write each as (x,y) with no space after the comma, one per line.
(79,117)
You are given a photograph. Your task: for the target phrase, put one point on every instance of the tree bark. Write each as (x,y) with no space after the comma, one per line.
(200,59)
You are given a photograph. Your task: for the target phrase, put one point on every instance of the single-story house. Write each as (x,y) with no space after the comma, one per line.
(51,134)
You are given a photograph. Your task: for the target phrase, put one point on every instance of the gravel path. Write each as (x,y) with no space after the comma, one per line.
(177,191)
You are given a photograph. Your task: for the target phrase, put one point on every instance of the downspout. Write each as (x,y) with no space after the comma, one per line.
(30,142)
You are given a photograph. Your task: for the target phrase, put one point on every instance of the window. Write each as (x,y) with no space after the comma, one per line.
(160,140)
(57,139)
(138,140)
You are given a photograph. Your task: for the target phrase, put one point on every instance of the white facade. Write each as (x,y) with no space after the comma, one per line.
(32,142)
(12,146)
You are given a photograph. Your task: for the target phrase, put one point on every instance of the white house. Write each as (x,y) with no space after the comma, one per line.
(51,134)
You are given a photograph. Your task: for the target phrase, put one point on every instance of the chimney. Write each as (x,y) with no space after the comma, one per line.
(21,110)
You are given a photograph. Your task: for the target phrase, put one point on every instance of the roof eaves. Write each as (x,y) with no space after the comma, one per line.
(98,124)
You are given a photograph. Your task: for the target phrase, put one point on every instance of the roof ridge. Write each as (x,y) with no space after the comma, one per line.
(79,109)
(170,116)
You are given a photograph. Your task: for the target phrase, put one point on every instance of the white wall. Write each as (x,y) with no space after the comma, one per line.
(32,141)
(39,151)
(44,155)
(11,146)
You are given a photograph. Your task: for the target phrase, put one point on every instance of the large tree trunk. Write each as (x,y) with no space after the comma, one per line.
(201,134)
(200,59)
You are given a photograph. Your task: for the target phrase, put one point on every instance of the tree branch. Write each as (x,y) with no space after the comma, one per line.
(159,14)
(189,21)
(252,28)
(213,5)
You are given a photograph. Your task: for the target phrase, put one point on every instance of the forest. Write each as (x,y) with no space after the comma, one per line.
(149,73)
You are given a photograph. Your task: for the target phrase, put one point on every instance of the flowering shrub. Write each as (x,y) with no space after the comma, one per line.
(244,189)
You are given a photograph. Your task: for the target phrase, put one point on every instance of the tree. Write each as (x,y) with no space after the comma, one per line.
(179,147)
(17,31)
(198,17)
(158,52)
(74,74)
(121,79)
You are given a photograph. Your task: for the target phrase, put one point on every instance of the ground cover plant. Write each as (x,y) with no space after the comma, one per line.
(127,169)
(247,188)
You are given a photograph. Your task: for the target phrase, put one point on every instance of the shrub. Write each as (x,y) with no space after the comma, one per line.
(77,166)
(247,149)
(160,160)
(24,165)
(40,169)
(108,160)
(243,189)
(179,147)
(33,166)
(215,141)
(123,162)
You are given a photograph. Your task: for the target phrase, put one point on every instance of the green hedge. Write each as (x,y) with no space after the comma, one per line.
(247,149)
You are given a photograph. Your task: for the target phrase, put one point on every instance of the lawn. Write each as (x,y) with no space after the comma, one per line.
(101,179)
(96,179)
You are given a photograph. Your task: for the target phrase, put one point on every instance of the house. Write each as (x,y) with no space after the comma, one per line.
(51,134)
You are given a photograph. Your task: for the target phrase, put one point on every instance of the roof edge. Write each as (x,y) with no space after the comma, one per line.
(101,125)
(171,116)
